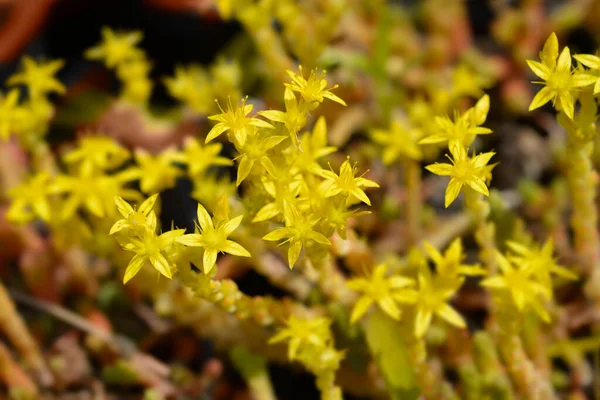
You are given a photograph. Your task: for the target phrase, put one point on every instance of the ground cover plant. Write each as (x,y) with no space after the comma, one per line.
(355,199)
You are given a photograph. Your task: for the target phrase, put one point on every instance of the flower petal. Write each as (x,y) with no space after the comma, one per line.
(478,185)
(440,169)
(451,316)
(204,218)
(422,322)
(452,191)
(216,130)
(134,267)
(389,306)
(294,253)
(232,225)
(234,248)
(191,239)
(541,98)
(360,308)
(118,226)
(148,204)
(209,260)
(160,263)
(277,234)
(539,69)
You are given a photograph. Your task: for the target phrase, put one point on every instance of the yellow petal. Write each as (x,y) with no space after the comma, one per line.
(422,322)
(564,61)
(440,169)
(124,207)
(118,226)
(539,69)
(244,169)
(550,51)
(452,191)
(234,248)
(133,268)
(294,253)
(191,239)
(277,234)
(450,315)
(478,185)
(360,308)
(541,98)
(204,218)
(216,130)
(208,260)
(588,60)
(388,305)
(567,104)
(232,225)
(148,204)
(160,263)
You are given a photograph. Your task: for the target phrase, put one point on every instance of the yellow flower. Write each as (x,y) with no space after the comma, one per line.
(346,183)
(561,81)
(337,214)
(116,48)
(464,128)
(192,86)
(450,263)
(313,90)
(213,237)
(157,173)
(200,157)
(143,218)
(226,77)
(209,187)
(237,121)
(95,193)
(30,199)
(253,151)
(282,191)
(398,141)
(294,118)
(11,114)
(150,247)
(521,285)
(97,153)
(314,147)
(387,292)
(592,62)
(134,75)
(298,230)
(433,296)
(464,170)
(302,332)
(39,77)
(539,261)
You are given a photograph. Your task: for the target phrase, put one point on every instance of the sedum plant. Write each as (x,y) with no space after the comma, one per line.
(387,293)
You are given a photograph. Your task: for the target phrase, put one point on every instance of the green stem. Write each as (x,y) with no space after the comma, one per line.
(412,177)
(485,232)
(584,218)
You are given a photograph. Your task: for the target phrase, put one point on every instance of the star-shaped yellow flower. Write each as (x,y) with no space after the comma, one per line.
(464,170)
(213,237)
(38,77)
(561,81)
(387,292)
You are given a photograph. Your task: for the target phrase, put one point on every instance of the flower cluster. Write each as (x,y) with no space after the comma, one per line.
(197,87)
(468,172)
(28,119)
(525,279)
(425,296)
(562,82)
(119,51)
